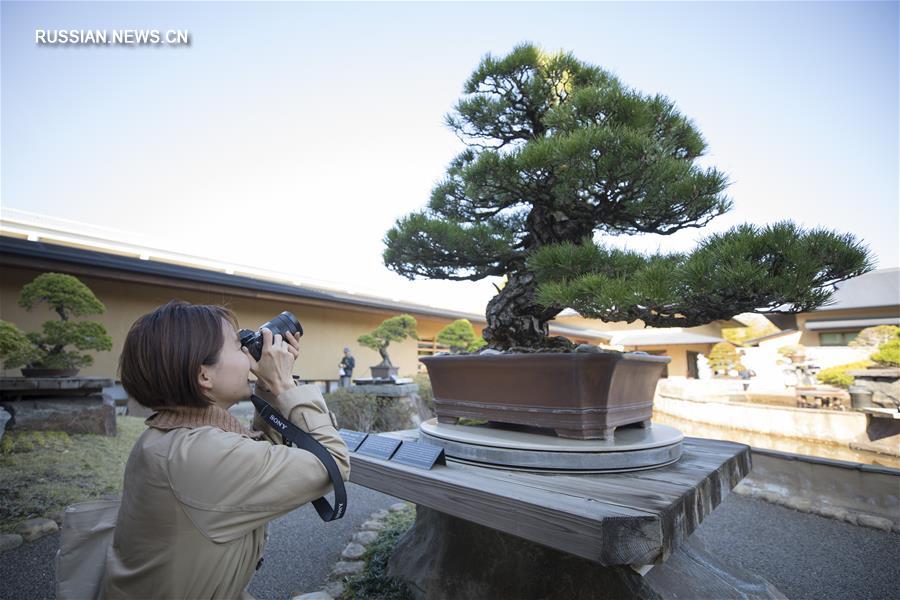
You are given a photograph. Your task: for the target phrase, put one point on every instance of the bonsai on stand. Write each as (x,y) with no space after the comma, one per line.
(394,329)
(50,397)
(558,151)
(45,354)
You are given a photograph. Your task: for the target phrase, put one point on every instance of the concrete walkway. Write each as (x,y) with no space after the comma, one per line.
(804,555)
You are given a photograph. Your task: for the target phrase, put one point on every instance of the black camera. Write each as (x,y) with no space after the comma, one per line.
(282,324)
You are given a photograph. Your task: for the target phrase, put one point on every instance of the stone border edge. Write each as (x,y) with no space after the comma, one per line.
(350,562)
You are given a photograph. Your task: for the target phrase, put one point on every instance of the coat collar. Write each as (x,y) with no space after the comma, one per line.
(192,417)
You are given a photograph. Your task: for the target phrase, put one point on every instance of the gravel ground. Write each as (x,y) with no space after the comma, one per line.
(803,555)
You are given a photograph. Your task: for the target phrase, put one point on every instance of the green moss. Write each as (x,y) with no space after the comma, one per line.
(44,471)
(373,582)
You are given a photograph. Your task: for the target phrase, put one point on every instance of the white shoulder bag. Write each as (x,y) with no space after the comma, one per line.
(87,532)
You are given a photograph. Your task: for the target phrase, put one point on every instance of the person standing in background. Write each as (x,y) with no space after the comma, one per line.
(346,366)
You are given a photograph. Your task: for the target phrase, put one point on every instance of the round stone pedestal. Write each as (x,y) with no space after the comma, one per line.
(631,449)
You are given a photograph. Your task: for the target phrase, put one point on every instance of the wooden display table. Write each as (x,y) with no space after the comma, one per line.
(586,529)
(70,404)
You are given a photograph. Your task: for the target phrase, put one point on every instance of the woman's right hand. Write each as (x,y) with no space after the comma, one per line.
(276,361)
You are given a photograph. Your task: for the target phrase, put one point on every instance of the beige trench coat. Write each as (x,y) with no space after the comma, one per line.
(196,502)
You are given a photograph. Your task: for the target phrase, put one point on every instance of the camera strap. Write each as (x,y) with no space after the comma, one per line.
(299,438)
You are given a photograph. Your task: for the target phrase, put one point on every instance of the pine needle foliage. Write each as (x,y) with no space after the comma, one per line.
(558,151)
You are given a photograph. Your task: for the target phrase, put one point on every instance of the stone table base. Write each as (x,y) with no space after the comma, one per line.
(446,558)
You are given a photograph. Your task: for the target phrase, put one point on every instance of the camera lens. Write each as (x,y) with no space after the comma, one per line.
(280,325)
(283,324)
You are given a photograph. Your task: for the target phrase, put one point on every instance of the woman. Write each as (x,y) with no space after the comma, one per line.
(199,487)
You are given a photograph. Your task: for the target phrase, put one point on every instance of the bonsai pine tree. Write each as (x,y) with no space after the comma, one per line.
(460,336)
(747,269)
(558,150)
(67,297)
(390,330)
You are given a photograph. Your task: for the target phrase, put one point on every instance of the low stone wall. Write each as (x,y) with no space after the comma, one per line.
(827,426)
(864,495)
(861,494)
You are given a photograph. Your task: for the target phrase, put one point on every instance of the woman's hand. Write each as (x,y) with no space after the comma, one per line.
(276,362)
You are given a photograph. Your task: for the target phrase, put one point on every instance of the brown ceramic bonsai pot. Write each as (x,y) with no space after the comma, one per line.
(383,372)
(579,395)
(42,372)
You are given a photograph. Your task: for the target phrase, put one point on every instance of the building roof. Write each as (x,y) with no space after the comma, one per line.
(13,248)
(874,289)
(861,323)
(755,341)
(671,336)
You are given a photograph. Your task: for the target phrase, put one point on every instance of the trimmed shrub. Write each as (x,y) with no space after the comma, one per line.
(838,376)
(461,337)
(365,412)
(888,354)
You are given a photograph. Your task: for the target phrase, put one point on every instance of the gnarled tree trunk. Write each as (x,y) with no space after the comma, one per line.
(514,319)
(385,359)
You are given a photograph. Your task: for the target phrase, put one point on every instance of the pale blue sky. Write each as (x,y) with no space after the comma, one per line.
(290,136)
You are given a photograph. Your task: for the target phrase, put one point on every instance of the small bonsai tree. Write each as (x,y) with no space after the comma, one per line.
(873,337)
(791,351)
(559,150)
(460,336)
(393,329)
(68,297)
(724,357)
(888,354)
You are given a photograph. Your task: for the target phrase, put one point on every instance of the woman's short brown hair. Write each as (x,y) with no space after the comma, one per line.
(164,350)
